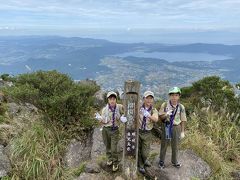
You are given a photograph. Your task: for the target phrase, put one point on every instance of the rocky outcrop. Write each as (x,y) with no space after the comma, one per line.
(78,152)
(20,115)
(13,109)
(5,83)
(192,167)
(5,166)
(98,147)
(99,98)
(92,167)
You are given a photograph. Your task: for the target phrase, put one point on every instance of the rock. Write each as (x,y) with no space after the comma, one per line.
(236,175)
(31,107)
(192,167)
(98,147)
(13,109)
(155,173)
(5,83)
(119,178)
(5,166)
(2,97)
(92,167)
(1,83)
(88,176)
(9,84)
(77,152)
(99,99)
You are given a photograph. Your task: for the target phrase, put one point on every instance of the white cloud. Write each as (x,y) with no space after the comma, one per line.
(122,13)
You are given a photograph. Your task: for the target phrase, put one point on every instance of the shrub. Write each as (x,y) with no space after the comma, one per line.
(63,101)
(7,77)
(211,91)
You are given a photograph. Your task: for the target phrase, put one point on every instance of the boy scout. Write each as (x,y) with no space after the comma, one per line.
(148,115)
(110,116)
(173,115)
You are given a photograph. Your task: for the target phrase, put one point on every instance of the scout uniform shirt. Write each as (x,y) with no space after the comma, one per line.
(146,123)
(111,116)
(180,114)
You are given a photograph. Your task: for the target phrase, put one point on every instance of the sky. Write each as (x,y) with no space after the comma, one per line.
(75,17)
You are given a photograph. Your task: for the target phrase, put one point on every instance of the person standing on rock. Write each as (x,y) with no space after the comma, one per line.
(148,115)
(173,116)
(111,114)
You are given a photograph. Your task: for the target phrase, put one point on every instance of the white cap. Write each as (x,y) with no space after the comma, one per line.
(111,93)
(148,93)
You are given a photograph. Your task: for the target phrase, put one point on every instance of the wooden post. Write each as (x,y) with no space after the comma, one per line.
(131,106)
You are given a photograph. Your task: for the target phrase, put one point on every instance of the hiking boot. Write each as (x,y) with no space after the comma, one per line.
(115,167)
(147,163)
(161,165)
(177,165)
(109,162)
(142,170)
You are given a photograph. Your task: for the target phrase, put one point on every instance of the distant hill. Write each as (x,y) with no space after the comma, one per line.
(98,59)
(233,50)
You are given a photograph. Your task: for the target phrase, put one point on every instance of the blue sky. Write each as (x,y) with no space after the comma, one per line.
(74,15)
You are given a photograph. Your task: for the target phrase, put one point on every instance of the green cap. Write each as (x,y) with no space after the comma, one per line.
(174,90)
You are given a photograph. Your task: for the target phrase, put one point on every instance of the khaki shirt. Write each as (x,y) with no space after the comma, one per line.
(180,115)
(149,123)
(107,115)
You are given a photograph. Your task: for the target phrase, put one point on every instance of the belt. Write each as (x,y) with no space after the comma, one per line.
(110,127)
(144,131)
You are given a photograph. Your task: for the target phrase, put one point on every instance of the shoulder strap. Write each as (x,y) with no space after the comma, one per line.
(181,107)
(165,106)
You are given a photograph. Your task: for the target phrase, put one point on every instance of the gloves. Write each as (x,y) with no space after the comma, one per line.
(169,113)
(98,116)
(182,135)
(123,119)
(146,114)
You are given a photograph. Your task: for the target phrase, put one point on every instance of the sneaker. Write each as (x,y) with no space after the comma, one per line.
(142,170)
(115,167)
(177,165)
(109,162)
(161,165)
(147,163)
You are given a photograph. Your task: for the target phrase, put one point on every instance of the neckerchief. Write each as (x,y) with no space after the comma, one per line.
(172,117)
(113,110)
(144,122)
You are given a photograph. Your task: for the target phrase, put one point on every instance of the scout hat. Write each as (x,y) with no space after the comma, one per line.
(174,90)
(148,93)
(111,93)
